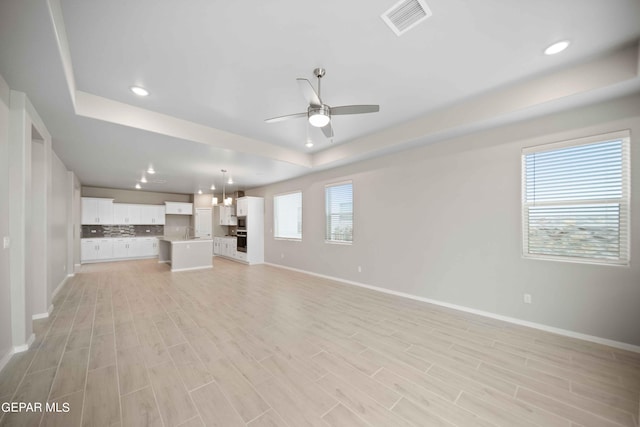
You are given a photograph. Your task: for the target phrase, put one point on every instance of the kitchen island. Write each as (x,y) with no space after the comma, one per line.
(186,254)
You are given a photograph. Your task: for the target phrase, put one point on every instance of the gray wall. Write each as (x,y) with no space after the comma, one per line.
(36,262)
(5,286)
(443,221)
(135,196)
(60,220)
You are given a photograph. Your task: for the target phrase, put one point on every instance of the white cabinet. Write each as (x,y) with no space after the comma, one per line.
(253,208)
(242,206)
(97,211)
(126,248)
(126,214)
(224,246)
(152,214)
(178,208)
(148,246)
(255,230)
(96,249)
(227,215)
(227,247)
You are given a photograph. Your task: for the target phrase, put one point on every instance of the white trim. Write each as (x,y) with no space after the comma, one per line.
(603,137)
(59,287)
(5,359)
(554,330)
(190,268)
(43,315)
(94,261)
(24,347)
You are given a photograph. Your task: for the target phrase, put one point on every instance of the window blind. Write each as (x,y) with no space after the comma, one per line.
(287,216)
(339,212)
(576,201)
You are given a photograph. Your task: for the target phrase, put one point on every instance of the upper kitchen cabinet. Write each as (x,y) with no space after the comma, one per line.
(97,211)
(152,214)
(178,208)
(242,206)
(126,214)
(227,215)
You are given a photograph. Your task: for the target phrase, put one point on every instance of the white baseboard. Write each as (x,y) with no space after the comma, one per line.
(76,267)
(43,315)
(5,359)
(25,347)
(190,269)
(61,285)
(558,331)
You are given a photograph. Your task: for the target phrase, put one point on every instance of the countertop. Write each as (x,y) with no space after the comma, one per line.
(183,240)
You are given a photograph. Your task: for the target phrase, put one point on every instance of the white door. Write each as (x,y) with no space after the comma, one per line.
(204,222)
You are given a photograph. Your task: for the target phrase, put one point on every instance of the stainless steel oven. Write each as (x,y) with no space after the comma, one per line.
(241,237)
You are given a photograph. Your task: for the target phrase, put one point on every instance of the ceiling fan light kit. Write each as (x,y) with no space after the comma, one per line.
(319,114)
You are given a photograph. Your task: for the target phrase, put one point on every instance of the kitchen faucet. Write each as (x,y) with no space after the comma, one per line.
(186,232)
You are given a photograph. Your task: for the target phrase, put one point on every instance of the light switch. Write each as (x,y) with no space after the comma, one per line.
(6,242)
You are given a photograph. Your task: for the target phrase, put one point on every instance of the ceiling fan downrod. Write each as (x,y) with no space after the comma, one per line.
(319,73)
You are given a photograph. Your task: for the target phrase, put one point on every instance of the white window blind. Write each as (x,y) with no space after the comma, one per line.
(576,200)
(339,212)
(287,216)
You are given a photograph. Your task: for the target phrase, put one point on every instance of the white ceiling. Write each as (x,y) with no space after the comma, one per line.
(216,70)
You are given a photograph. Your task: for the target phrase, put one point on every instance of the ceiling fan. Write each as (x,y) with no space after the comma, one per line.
(318,113)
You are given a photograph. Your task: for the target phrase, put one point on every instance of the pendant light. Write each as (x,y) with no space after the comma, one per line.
(226,201)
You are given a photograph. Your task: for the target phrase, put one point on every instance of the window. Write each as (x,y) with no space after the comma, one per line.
(339,212)
(576,200)
(287,216)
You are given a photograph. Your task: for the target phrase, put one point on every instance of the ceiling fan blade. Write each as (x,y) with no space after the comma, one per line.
(309,92)
(287,117)
(354,109)
(327,130)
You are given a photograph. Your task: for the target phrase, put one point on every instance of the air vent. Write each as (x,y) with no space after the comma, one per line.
(405,15)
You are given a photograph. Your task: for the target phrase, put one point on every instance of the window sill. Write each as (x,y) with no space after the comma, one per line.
(591,261)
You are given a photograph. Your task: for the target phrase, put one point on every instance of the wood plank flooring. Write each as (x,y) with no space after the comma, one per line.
(131,344)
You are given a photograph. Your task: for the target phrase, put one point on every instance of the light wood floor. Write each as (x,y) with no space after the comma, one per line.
(132,344)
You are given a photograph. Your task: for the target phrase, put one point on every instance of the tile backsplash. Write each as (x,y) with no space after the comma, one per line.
(89,231)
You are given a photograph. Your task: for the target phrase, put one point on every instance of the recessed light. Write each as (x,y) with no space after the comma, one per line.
(138,186)
(199,191)
(230,181)
(143,179)
(140,91)
(151,170)
(213,187)
(557,47)
(309,144)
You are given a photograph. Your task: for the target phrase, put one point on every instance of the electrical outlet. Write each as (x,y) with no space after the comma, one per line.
(6,242)
(527,298)
(281,255)
(359,269)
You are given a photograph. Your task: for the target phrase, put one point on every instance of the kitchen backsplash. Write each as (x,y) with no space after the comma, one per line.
(89,231)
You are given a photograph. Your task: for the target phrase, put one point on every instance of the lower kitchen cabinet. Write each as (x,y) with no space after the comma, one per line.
(126,248)
(148,246)
(227,247)
(95,250)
